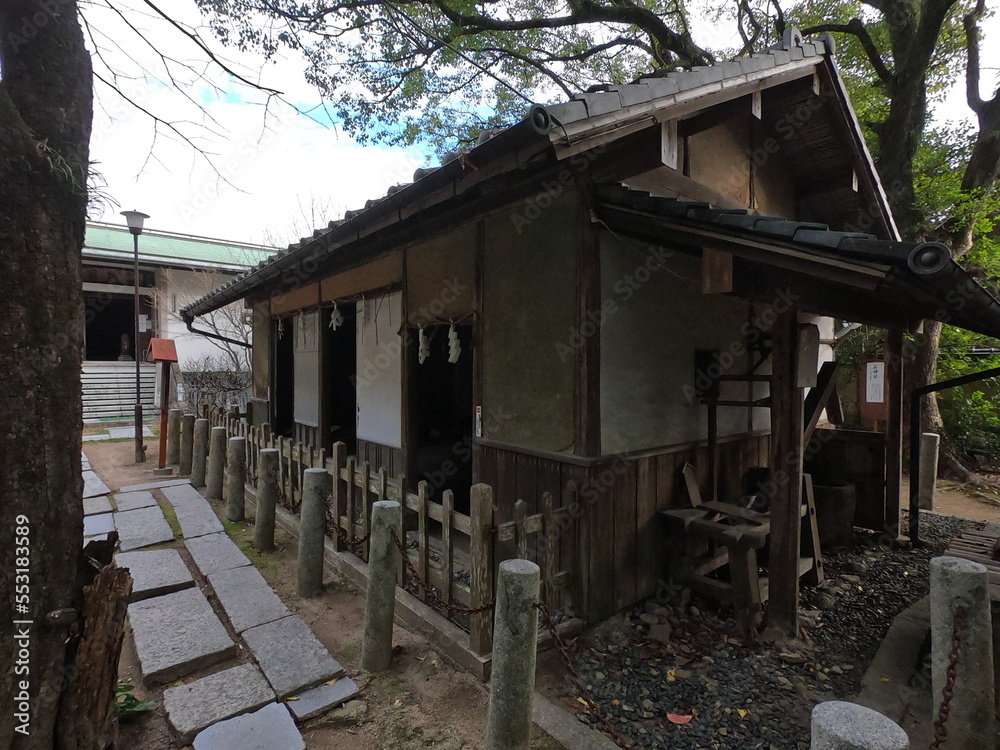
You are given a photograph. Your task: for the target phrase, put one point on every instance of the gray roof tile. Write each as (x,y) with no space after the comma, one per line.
(567,112)
(602,103)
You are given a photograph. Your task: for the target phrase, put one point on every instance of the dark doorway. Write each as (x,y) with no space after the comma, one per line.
(340,366)
(283,421)
(107,317)
(443,412)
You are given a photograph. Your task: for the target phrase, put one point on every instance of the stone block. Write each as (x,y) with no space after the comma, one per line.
(199,704)
(320,699)
(142,528)
(214,553)
(270,728)
(93,506)
(93,486)
(98,525)
(246,597)
(291,657)
(176,634)
(155,572)
(134,500)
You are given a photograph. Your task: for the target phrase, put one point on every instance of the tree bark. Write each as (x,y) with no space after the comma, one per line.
(45,120)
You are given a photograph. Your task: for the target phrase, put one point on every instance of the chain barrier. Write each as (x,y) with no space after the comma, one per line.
(948,691)
(592,705)
(432,595)
(350,541)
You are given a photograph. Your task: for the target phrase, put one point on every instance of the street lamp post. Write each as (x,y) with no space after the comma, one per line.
(135,220)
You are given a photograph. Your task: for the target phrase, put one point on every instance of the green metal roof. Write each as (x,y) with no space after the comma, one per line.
(112,242)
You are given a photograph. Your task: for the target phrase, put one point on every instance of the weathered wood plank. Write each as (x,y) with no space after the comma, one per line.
(481,577)
(447,563)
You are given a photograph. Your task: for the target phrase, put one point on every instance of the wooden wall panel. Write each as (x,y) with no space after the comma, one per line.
(295,299)
(379,274)
(859,458)
(378,455)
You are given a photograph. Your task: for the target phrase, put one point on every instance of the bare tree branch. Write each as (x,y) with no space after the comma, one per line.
(972,68)
(857,27)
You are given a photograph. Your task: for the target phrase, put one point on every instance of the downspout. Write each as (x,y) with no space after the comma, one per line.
(189,322)
(915,402)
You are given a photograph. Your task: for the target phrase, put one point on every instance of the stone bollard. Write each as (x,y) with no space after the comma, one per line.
(267,498)
(236,479)
(515,635)
(173,436)
(187,445)
(380,598)
(312,531)
(962,583)
(199,453)
(216,463)
(929,444)
(838,725)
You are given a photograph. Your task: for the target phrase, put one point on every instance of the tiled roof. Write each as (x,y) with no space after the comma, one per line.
(598,103)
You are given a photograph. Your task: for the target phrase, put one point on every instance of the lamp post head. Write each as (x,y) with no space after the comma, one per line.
(135,219)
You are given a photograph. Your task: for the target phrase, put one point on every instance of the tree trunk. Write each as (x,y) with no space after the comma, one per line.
(45,116)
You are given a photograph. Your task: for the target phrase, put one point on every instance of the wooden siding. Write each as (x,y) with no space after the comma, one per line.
(380,455)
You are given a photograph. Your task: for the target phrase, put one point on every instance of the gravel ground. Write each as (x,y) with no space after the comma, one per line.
(682,677)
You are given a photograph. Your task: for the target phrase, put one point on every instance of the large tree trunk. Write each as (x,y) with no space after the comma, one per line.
(45,117)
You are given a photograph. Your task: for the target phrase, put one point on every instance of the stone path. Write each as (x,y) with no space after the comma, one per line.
(215,612)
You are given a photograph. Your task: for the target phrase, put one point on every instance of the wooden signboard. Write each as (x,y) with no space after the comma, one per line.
(873,398)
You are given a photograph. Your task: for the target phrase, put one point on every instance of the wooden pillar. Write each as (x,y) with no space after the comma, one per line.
(588,423)
(894,429)
(786,476)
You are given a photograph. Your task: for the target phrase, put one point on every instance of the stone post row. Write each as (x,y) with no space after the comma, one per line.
(236,479)
(216,463)
(173,436)
(312,531)
(380,598)
(187,445)
(199,453)
(267,498)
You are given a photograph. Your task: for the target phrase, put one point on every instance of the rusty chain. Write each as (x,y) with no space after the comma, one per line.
(948,690)
(592,705)
(349,541)
(432,595)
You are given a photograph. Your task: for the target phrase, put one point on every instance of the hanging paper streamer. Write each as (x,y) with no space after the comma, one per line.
(454,348)
(424,346)
(336,318)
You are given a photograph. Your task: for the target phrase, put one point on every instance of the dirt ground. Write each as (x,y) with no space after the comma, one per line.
(421,702)
(954,499)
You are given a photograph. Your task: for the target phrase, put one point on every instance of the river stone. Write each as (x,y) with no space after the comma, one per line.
(270,728)
(176,634)
(196,705)
(142,527)
(93,506)
(214,553)
(291,657)
(93,486)
(838,725)
(246,597)
(134,500)
(155,572)
(320,699)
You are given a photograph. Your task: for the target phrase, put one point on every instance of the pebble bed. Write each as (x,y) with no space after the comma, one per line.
(673,676)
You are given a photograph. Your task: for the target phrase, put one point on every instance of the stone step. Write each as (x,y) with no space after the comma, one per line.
(142,528)
(321,699)
(199,704)
(214,553)
(246,597)
(93,485)
(194,513)
(155,572)
(270,728)
(93,506)
(134,500)
(291,657)
(176,634)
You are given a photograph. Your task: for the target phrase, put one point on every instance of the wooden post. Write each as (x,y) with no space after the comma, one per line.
(549,549)
(521,531)
(366,505)
(447,565)
(422,535)
(786,476)
(481,580)
(337,489)
(351,494)
(400,568)
(588,422)
(894,429)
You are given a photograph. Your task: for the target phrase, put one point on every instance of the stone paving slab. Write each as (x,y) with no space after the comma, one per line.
(93,485)
(270,728)
(246,597)
(155,572)
(93,506)
(176,634)
(291,657)
(117,433)
(142,527)
(214,553)
(155,485)
(134,500)
(197,518)
(85,464)
(94,438)
(321,699)
(199,704)
(99,525)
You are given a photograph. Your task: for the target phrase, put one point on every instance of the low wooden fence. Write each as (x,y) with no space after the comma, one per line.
(453,557)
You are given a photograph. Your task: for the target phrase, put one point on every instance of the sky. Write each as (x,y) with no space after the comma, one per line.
(252,173)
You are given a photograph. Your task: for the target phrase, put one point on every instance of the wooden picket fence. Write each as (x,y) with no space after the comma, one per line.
(454,556)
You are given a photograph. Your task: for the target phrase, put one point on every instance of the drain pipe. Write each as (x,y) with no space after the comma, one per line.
(189,322)
(915,402)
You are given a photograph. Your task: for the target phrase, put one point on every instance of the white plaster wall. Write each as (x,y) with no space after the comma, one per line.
(380,370)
